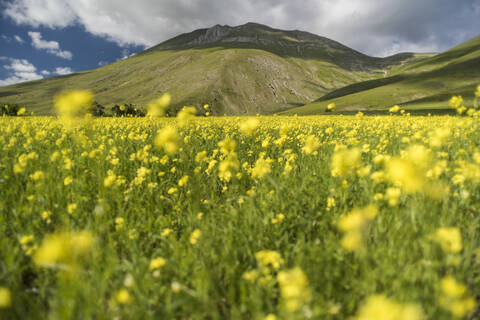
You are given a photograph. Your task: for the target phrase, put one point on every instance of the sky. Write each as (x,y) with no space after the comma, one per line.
(44,38)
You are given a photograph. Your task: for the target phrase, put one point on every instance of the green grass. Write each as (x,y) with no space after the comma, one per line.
(425,84)
(205,280)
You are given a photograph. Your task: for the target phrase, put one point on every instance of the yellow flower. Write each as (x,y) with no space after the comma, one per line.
(294,288)
(46,215)
(183,181)
(410,170)
(248,127)
(206,106)
(357,218)
(66,248)
(38,175)
(477,93)
(168,139)
(251,275)
(109,180)
(68,180)
(353,225)
(157,108)
(438,137)
(455,298)
(55,156)
(228,167)
(345,161)
(270,316)
(201,157)
(261,168)
(5,298)
(18,168)
(331,107)
(21,111)
(157,263)
(364,171)
(28,244)
(166,232)
(449,238)
(194,236)
(269,258)
(394,109)
(352,240)
(123,297)
(450,287)
(186,113)
(227,146)
(461,110)
(456,102)
(278,218)
(73,103)
(393,195)
(311,145)
(119,221)
(330,203)
(379,307)
(71,207)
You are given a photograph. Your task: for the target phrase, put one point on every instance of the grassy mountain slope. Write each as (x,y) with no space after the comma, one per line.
(425,84)
(237,70)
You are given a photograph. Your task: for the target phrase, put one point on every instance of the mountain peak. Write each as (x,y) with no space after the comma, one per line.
(213,34)
(250,33)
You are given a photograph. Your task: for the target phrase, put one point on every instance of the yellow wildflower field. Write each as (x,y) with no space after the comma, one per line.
(326,217)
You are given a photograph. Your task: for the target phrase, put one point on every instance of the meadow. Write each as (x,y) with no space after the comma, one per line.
(322,217)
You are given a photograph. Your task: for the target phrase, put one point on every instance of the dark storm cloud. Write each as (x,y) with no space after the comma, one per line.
(375,27)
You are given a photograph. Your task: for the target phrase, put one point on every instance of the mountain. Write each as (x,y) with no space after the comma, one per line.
(246,69)
(424,85)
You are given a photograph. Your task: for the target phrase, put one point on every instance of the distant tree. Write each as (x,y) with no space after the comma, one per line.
(118,111)
(127,110)
(10,109)
(96,109)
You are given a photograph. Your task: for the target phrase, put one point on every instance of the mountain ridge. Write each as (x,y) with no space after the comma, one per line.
(294,42)
(427,84)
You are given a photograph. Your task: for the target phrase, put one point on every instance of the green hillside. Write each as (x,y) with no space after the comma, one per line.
(425,84)
(237,70)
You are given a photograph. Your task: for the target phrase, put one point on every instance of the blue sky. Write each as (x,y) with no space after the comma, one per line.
(87,51)
(44,38)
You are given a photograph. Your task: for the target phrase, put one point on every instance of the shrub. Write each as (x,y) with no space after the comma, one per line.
(127,110)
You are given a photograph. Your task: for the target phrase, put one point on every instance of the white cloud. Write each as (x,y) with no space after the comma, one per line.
(22,70)
(52,47)
(18,39)
(20,65)
(63,71)
(102,63)
(374,27)
(50,13)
